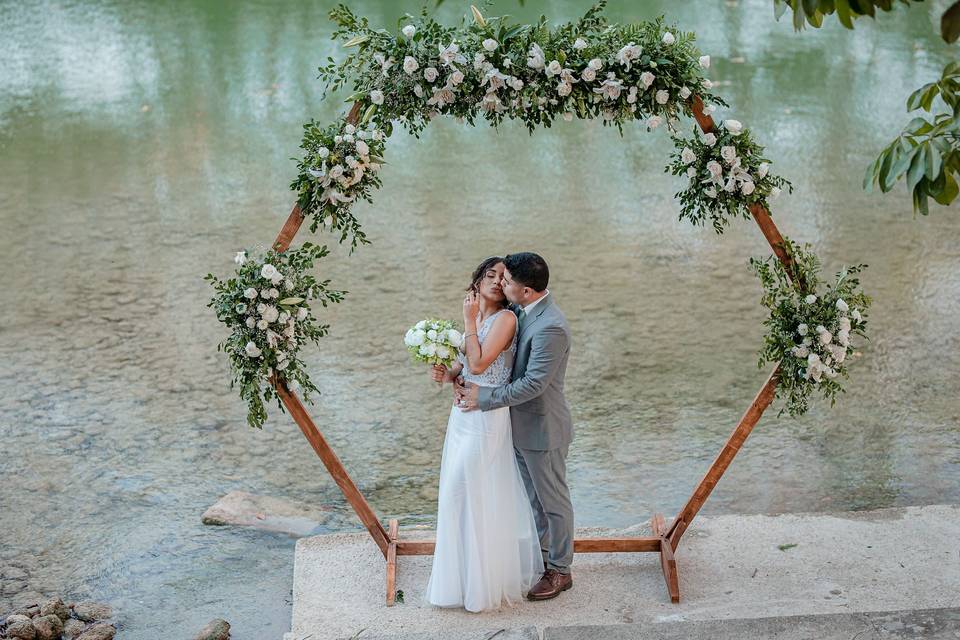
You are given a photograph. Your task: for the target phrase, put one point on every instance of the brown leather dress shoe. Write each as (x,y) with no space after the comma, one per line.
(550,585)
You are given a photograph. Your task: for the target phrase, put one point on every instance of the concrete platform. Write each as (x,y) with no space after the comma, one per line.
(731,567)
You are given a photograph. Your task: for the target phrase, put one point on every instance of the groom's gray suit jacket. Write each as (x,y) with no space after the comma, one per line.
(539,412)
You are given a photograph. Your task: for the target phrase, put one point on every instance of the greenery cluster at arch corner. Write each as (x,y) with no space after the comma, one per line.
(486,67)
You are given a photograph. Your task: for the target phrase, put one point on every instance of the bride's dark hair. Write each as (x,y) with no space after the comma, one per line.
(481,271)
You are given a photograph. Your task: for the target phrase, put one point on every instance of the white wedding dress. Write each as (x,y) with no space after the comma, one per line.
(487,548)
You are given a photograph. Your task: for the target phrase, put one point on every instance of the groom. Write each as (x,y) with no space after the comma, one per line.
(542,427)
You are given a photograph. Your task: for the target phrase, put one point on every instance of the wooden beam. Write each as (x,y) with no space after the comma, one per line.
(705,121)
(333,465)
(616,545)
(700,494)
(392,563)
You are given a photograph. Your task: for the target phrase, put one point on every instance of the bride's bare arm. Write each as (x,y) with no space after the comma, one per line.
(479,357)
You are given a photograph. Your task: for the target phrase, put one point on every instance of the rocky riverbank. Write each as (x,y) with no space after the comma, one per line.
(56,620)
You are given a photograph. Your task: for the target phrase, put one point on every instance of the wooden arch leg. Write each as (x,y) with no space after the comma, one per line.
(667,562)
(393,534)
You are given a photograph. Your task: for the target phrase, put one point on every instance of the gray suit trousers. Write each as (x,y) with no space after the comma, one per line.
(544,475)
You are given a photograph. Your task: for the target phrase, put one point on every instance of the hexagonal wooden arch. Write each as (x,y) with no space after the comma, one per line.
(664,539)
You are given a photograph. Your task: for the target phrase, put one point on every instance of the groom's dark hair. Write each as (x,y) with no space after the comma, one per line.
(528,269)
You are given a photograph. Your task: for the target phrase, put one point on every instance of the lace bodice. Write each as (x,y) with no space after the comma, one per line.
(500,370)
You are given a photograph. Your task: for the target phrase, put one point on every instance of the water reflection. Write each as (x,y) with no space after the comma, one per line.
(144,143)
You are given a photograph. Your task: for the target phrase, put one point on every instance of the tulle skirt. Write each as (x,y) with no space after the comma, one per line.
(487,549)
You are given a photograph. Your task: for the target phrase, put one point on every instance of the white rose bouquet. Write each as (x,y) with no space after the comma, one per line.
(434,342)
(266,306)
(810,327)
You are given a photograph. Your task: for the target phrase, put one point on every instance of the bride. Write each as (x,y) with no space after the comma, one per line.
(487,548)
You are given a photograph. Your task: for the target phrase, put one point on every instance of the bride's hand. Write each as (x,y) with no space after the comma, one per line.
(471,307)
(439,373)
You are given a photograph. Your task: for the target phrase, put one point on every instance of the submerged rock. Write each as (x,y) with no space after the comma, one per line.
(265,512)
(99,631)
(72,628)
(92,611)
(216,629)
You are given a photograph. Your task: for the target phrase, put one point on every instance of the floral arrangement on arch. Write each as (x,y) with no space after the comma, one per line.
(489,69)
(726,173)
(811,325)
(267,309)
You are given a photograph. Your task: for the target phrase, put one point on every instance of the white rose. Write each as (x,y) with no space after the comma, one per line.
(376,96)
(535,57)
(706,84)
(271,314)
(663,96)
(418,337)
(685,92)
(274,293)
(443,351)
(747,188)
(454,337)
(261,308)
(820,328)
(554,68)
(705,62)
(265,294)
(589,74)
(456,78)
(654,121)
(241,257)
(408,338)
(250,293)
(810,299)
(432,334)
(763,169)
(251,322)
(335,171)
(430,74)
(421,324)
(564,89)
(687,155)
(842,306)
(596,64)
(252,349)
(428,349)
(855,314)
(568,116)
(728,153)
(647,79)
(410,65)
(844,324)
(843,337)
(337,139)
(733,126)
(490,44)
(774,193)
(709,139)
(418,90)
(802,329)
(668,38)
(362,148)
(579,44)
(715,168)
(825,337)
(268,271)
(516,83)
(409,30)
(262,324)
(710,192)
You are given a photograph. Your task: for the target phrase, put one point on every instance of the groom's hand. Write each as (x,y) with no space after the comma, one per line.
(468,401)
